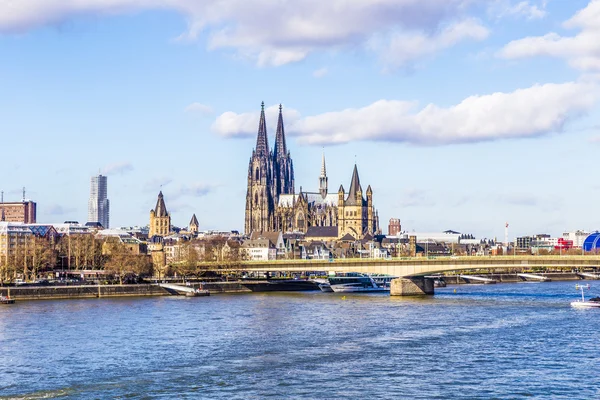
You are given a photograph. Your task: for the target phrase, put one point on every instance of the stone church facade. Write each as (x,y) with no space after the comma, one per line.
(273,205)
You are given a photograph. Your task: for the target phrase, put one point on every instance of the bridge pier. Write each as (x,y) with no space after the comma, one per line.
(414,286)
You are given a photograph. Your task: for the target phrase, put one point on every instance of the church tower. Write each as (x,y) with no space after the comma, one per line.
(193,226)
(160,219)
(260,203)
(323,179)
(283,168)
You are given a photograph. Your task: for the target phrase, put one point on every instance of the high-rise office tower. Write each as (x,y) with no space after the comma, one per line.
(98,205)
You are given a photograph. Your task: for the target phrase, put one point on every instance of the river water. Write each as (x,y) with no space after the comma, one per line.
(482,341)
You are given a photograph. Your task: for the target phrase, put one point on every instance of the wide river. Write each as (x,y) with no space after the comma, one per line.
(505,341)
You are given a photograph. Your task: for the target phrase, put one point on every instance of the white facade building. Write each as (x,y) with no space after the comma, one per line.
(577,237)
(98,205)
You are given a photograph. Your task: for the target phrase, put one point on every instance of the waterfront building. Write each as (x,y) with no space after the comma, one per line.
(577,237)
(68,229)
(24,211)
(17,240)
(160,219)
(394,227)
(273,205)
(98,204)
(264,246)
(133,245)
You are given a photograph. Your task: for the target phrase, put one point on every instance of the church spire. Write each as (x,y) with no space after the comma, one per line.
(161,209)
(354,188)
(280,147)
(323,178)
(262,141)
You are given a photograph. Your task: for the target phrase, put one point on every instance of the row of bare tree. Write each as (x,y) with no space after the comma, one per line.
(28,256)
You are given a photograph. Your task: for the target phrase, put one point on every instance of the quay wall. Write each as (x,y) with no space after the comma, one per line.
(81,292)
(95,291)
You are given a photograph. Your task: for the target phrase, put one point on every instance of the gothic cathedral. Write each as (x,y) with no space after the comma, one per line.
(273,205)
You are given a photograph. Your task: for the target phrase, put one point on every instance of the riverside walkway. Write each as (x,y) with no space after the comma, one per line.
(415,266)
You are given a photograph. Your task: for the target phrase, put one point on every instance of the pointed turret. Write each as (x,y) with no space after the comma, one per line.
(280,146)
(160,210)
(262,141)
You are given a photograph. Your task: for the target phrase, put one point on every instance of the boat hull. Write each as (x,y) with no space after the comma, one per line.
(350,289)
(585,304)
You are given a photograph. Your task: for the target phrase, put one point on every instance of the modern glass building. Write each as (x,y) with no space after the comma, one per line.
(98,205)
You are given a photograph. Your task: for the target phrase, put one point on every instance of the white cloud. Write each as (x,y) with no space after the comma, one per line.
(321,72)
(230,124)
(403,48)
(530,112)
(581,51)
(118,168)
(199,108)
(266,31)
(505,8)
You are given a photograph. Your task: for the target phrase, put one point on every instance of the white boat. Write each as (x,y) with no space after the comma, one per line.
(592,303)
(354,284)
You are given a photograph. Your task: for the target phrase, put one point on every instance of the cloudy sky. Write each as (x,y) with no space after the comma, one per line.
(461,114)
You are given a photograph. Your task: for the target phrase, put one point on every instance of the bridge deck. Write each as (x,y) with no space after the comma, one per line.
(418,266)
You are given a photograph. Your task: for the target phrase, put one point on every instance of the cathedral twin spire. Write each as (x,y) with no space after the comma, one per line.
(270,174)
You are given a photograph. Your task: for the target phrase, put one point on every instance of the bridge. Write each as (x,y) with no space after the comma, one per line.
(415,266)
(412,272)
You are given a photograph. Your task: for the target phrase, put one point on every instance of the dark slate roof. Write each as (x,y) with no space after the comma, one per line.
(160,210)
(194,220)
(322,231)
(354,188)
(94,224)
(348,237)
(367,238)
(272,237)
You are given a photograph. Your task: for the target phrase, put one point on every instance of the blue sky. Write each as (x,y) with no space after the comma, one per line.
(461,114)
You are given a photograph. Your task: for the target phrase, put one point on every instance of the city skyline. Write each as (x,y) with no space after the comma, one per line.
(462,117)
